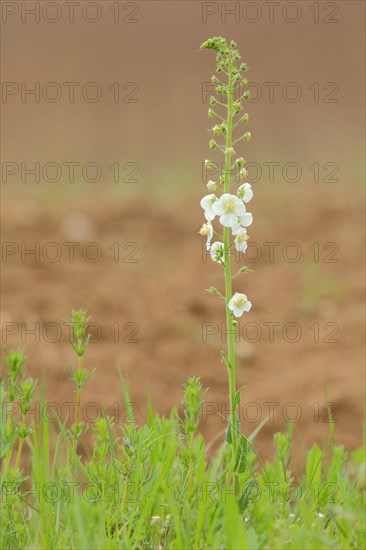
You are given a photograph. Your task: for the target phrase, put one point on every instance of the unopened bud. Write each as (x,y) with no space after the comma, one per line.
(244,173)
(230,151)
(212,144)
(212,100)
(212,290)
(211,113)
(240,162)
(237,107)
(245,118)
(211,186)
(247,136)
(244,83)
(244,67)
(246,95)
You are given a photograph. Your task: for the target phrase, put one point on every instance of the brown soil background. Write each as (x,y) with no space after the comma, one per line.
(163,292)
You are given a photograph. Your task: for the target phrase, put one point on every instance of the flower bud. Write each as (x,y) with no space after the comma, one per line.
(212,290)
(211,186)
(246,95)
(222,180)
(245,118)
(232,44)
(230,151)
(240,162)
(237,107)
(212,100)
(244,83)
(220,90)
(212,144)
(244,67)
(243,173)
(214,79)
(209,164)
(211,113)
(247,136)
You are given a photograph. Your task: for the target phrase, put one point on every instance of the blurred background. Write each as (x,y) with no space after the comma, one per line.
(105,130)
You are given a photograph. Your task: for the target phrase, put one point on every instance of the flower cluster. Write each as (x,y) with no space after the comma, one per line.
(230,210)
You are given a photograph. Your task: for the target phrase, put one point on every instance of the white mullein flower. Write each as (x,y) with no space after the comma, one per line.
(245,192)
(241,240)
(207,203)
(207,230)
(239,303)
(229,208)
(217,252)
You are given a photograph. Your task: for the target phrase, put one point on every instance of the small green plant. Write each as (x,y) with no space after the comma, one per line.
(19,393)
(227,109)
(79,325)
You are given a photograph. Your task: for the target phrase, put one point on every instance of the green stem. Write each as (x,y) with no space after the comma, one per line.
(78,396)
(228,281)
(20,447)
(19,454)
(80,366)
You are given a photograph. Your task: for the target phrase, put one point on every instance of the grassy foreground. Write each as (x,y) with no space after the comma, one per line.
(154,486)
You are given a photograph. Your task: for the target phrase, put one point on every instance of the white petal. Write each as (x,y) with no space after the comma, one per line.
(219,207)
(240,209)
(241,247)
(229,219)
(235,228)
(247,306)
(248,193)
(209,215)
(246,219)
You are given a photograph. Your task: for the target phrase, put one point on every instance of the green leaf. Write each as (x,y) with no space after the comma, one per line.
(244,499)
(237,395)
(229,428)
(242,454)
(226,360)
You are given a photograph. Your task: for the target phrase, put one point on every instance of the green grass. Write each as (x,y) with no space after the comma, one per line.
(154,486)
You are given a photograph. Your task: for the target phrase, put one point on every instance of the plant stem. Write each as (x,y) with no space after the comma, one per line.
(228,281)
(78,394)
(20,447)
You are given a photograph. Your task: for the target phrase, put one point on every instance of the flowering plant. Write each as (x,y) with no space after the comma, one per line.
(230,211)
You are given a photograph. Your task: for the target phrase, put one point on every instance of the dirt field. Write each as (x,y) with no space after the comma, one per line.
(303,334)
